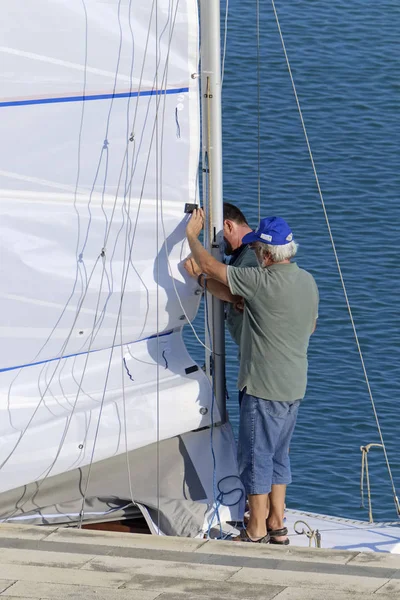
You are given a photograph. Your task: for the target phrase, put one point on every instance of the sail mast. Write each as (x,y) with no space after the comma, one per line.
(213,184)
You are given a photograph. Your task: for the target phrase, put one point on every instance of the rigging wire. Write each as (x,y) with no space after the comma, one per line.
(396,500)
(225,41)
(258,108)
(157,49)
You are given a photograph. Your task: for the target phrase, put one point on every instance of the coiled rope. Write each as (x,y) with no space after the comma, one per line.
(365,470)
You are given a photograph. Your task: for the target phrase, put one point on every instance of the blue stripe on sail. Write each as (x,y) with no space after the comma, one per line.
(92,97)
(43,362)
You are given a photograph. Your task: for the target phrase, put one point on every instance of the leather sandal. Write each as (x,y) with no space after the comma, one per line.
(274,533)
(244,537)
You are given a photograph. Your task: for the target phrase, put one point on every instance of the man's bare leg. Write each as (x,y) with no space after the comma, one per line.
(276,508)
(257,527)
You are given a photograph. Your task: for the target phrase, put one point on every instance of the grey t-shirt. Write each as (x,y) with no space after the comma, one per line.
(234,318)
(281,307)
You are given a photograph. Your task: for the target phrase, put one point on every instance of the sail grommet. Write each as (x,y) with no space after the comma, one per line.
(203,411)
(195,76)
(80,446)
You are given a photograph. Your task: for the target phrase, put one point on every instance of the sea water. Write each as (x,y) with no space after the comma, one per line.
(345,58)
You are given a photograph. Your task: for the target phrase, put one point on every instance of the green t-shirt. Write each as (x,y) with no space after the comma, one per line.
(234,318)
(281,307)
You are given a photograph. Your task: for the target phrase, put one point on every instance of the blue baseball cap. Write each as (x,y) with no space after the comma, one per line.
(271,230)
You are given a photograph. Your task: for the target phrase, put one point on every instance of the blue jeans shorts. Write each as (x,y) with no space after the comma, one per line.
(266,428)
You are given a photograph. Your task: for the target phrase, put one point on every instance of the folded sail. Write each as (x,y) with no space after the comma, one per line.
(99,109)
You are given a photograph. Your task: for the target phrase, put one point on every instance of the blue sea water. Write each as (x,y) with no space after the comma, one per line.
(345,58)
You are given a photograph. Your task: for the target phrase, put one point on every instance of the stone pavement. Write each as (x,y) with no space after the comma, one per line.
(51,563)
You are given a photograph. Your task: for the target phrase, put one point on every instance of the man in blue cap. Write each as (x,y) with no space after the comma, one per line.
(280,312)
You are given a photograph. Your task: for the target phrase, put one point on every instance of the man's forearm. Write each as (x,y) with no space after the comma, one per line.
(200,254)
(207,263)
(219,290)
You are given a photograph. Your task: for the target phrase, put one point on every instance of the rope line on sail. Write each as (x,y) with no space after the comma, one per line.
(105,146)
(78,172)
(209,173)
(128,466)
(396,500)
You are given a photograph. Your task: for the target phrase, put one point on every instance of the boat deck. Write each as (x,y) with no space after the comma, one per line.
(51,563)
(344,534)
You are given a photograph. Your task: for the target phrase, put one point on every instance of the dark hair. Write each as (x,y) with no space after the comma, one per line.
(233,213)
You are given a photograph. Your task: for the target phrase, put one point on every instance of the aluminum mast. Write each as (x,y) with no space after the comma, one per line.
(212,183)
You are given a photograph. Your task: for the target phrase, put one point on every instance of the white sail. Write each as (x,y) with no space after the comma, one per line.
(99,109)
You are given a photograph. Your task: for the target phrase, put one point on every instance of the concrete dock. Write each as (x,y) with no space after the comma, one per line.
(53,563)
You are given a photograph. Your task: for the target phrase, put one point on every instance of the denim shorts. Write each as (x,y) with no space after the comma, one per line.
(266,428)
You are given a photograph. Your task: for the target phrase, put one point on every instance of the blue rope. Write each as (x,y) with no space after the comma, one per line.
(127,370)
(178,127)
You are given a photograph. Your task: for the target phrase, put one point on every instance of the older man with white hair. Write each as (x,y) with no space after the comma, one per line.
(280,312)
